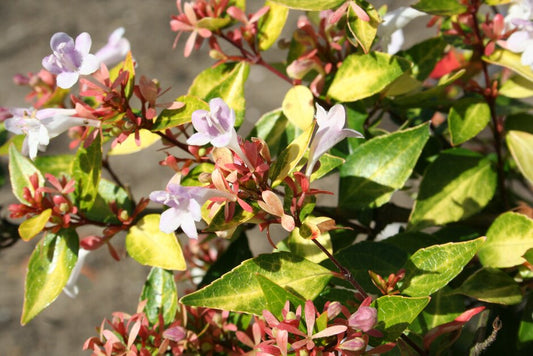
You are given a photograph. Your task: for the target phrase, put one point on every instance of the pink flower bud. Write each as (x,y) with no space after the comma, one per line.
(363,319)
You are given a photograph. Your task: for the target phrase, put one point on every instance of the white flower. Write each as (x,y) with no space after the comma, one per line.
(71,288)
(522,41)
(40,126)
(115,50)
(390,31)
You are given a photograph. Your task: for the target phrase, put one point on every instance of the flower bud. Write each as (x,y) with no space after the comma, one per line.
(363,319)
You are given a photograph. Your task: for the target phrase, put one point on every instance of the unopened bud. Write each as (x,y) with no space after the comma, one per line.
(64,207)
(123,215)
(290,316)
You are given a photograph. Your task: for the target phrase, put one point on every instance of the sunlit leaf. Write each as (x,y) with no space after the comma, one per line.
(313,5)
(31,227)
(161,295)
(175,117)
(150,246)
(271,24)
(298,106)
(467,118)
(20,171)
(520,145)
(86,170)
(364,32)
(440,7)
(277,296)
(129,146)
(443,308)
(239,290)
(510,60)
(491,285)
(517,87)
(508,238)
(49,268)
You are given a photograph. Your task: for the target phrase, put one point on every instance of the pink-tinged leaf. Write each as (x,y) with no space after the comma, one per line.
(332,330)
(272,204)
(456,324)
(310,316)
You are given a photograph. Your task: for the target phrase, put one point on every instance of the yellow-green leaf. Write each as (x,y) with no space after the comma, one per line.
(31,227)
(86,170)
(271,24)
(312,5)
(363,75)
(517,87)
(508,239)
(146,138)
(49,268)
(491,285)
(520,144)
(150,246)
(290,156)
(175,117)
(510,60)
(161,295)
(304,246)
(467,118)
(20,171)
(298,107)
(364,31)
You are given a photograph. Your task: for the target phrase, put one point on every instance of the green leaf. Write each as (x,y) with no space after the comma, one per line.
(150,246)
(237,251)
(429,269)
(274,128)
(363,75)
(16,140)
(328,163)
(458,184)
(20,171)
(525,331)
(364,256)
(410,242)
(305,247)
(442,309)
(219,223)
(31,227)
(364,32)
(192,178)
(491,285)
(86,170)
(109,193)
(467,118)
(520,145)
(161,294)
(129,66)
(395,313)
(56,165)
(311,5)
(172,118)
(440,7)
(290,156)
(49,268)
(271,24)
(508,239)
(298,107)
(424,56)
(517,87)
(380,166)
(277,296)
(240,291)
(129,145)
(224,81)
(510,60)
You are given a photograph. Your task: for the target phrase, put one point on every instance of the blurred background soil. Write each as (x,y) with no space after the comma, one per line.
(105,285)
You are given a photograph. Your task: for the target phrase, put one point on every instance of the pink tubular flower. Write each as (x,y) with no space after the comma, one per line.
(116,48)
(70,58)
(330,132)
(185,206)
(217,127)
(40,126)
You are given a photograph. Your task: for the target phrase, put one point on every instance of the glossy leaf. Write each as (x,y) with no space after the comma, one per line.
(127,65)
(31,227)
(161,295)
(239,290)
(224,81)
(311,5)
(364,32)
(520,144)
(458,184)
(129,146)
(56,165)
(491,285)
(150,246)
(517,87)
(171,118)
(86,170)
(467,118)
(508,239)
(303,245)
(380,166)
(395,313)
(361,76)
(20,171)
(274,128)
(290,156)
(361,257)
(430,269)
(219,223)
(109,193)
(424,56)
(16,141)
(442,309)
(298,106)
(277,296)
(271,24)
(328,163)
(510,60)
(440,7)
(49,268)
